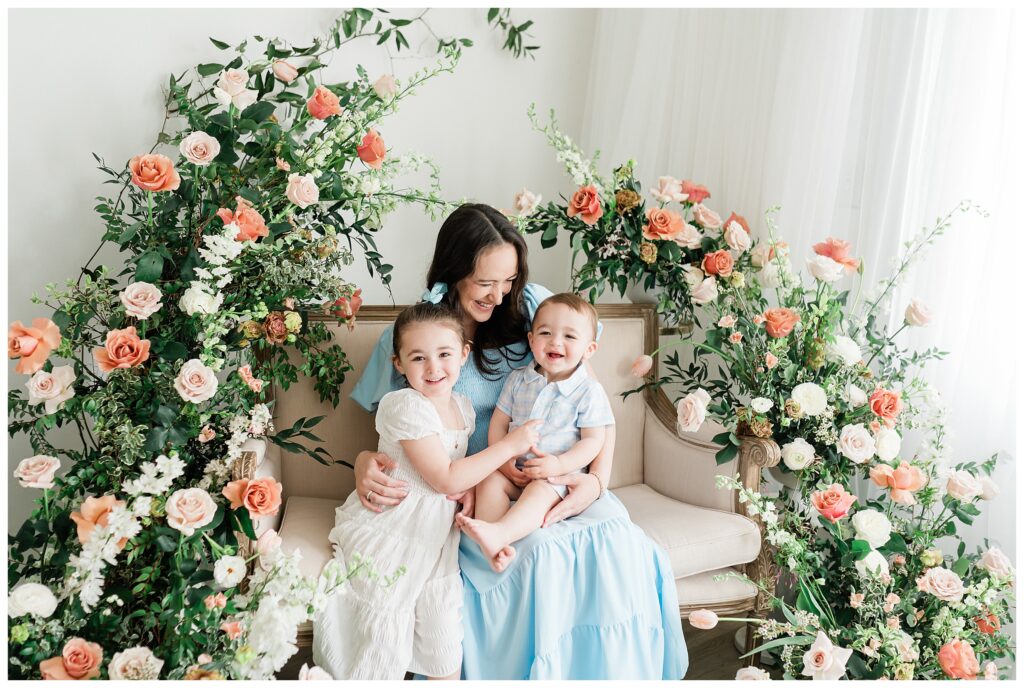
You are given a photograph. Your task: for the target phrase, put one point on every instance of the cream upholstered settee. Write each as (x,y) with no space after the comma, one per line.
(665,481)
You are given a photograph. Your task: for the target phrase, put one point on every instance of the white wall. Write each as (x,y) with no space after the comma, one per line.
(101,92)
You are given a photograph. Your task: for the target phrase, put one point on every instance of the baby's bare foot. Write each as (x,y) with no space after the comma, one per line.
(503,558)
(489,537)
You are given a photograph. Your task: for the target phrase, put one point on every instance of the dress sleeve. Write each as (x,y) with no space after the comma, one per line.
(595,410)
(534,295)
(379,376)
(406,415)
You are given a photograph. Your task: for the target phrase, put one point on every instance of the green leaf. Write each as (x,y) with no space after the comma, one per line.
(258,112)
(960,566)
(244,522)
(779,642)
(860,549)
(209,69)
(492,14)
(156,439)
(174,351)
(166,415)
(726,453)
(220,44)
(150,266)
(166,543)
(129,234)
(722,438)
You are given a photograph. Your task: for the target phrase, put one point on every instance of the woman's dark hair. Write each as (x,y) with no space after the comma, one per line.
(426,313)
(467,233)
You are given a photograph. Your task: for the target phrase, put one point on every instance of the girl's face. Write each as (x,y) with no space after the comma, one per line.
(430,358)
(491,280)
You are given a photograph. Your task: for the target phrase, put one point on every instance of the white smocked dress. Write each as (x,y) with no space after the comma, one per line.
(366,630)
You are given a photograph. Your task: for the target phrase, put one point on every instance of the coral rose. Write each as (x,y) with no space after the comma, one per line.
(249,222)
(323,104)
(189,510)
(199,148)
(372,150)
(718,263)
(957,660)
(348,306)
(32,344)
(662,224)
(285,71)
(79,660)
(902,482)
(706,217)
(124,349)
(95,511)
(154,172)
(695,193)
(587,204)
(988,624)
(839,251)
(833,503)
(779,322)
(886,405)
(141,300)
(37,471)
(260,497)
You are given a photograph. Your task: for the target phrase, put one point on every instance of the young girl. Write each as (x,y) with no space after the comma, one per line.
(367,630)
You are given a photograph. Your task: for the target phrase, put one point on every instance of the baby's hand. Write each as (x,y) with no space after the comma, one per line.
(543,466)
(522,438)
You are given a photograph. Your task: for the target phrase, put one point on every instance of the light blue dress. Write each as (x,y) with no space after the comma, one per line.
(591,597)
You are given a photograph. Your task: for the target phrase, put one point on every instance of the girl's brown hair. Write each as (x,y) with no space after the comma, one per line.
(426,313)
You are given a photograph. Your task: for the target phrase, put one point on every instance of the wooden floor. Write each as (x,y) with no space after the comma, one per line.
(712,654)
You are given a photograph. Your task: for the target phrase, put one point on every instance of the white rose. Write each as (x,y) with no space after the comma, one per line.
(229,571)
(135,664)
(824,269)
(692,410)
(798,454)
(37,471)
(752,674)
(887,443)
(854,395)
(706,292)
(233,81)
(874,564)
(195,382)
(856,443)
(872,526)
(53,388)
(775,272)
(141,299)
(811,397)
(199,148)
(917,314)
(244,99)
(31,598)
(190,509)
(669,190)
(222,96)
(963,486)
(693,276)
(302,190)
(825,661)
(196,299)
(995,562)
(385,87)
(762,404)
(314,673)
(269,547)
(843,349)
(689,237)
(989,489)
(525,202)
(736,237)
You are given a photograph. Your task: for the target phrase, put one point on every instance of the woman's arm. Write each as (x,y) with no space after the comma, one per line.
(584,488)
(370,477)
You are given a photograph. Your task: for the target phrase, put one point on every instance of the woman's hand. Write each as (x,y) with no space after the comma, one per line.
(584,489)
(370,478)
(510,471)
(467,502)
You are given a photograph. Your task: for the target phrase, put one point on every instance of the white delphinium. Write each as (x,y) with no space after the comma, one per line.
(86,578)
(157,476)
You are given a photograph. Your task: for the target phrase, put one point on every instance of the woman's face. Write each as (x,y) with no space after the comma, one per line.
(491,280)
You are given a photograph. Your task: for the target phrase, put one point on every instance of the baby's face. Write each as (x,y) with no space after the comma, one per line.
(431,358)
(561,338)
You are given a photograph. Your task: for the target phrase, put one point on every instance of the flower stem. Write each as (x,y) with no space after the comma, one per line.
(149,203)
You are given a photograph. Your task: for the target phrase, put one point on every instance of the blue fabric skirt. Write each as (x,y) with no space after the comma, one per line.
(591,597)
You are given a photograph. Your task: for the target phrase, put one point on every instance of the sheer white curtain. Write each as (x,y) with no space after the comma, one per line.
(864,125)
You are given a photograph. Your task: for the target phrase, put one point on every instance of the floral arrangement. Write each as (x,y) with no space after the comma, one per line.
(236,225)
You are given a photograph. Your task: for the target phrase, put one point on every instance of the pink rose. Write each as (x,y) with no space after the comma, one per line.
(189,510)
(232,628)
(688,237)
(199,148)
(124,349)
(32,344)
(703,619)
(372,150)
(718,263)
(833,503)
(957,660)
(53,388)
(217,601)
(195,382)
(996,563)
(668,191)
(824,660)
(695,193)
(942,583)
(282,165)
(886,405)
(736,237)
(302,190)
(641,366)
(233,81)
(839,251)
(323,104)
(154,172)
(78,660)
(739,220)
(206,434)
(706,218)
(385,87)
(260,497)
(963,486)
(692,410)
(141,300)
(705,292)
(285,71)
(662,224)
(917,314)
(587,204)
(37,471)
(95,511)
(727,321)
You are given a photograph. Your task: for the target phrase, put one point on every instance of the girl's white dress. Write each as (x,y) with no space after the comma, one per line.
(366,630)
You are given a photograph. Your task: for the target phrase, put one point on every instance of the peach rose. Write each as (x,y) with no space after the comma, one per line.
(779,322)
(217,601)
(249,222)
(302,190)
(52,389)
(32,344)
(260,497)
(738,219)
(348,306)
(587,204)
(385,87)
(988,624)
(78,660)
(839,251)
(323,104)
(688,237)
(372,150)
(662,224)
(232,628)
(641,366)
(706,217)
(195,382)
(37,471)
(189,510)
(703,619)
(95,511)
(957,660)
(124,349)
(285,71)
(695,193)
(718,263)
(833,503)
(886,405)
(254,383)
(141,300)
(199,148)
(902,482)
(942,583)
(154,172)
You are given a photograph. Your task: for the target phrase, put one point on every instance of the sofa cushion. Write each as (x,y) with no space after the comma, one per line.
(306,524)
(696,539)
(702,590)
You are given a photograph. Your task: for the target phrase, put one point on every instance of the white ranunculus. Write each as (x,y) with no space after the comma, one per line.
(229,571)
(917,314)
(856,443)
(811,397)
(995,562)
(824,269)
(798,454)
(52,389)
(197,299)
(706,292)
(887,443)
(31,598)
(135,664)
(692,410)
(872,526)
(195,383)
(843,350)
(963,486)
(762,404)
(736,237)
(989,489)
(874,564)
(854,395)
(525,202)
(314,673)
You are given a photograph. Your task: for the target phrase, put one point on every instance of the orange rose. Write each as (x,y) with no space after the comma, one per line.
(124,349)
(261,497)
(587,204)
(839,251)
(695,193)
(154,172)
(833,503)
(372,150)
(32,344)
(738,219)
(78,660)
(957,660)
(249,222)
(662,224)
(348,306)
(718,263)
(323,104)
(902,482)
(779,322)
(886,405)
(988,625)
(95,512)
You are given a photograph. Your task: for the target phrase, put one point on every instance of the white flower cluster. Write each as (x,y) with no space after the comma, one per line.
(258,424)
(101,549)
(157,476)
(582,169)
(218,250)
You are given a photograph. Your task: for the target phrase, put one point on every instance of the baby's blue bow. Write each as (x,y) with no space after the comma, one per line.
(435,293)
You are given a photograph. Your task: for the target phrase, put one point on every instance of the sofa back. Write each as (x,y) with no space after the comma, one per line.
(629,330)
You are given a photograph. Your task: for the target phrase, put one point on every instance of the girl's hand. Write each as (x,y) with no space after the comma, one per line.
(584,489)
(517,477)
(544,465)
(467,502)
(370,478)
(522,438)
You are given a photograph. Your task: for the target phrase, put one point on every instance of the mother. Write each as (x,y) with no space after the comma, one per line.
(591,597)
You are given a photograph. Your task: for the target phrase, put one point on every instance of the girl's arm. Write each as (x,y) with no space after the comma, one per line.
(431,461)
(495,432)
